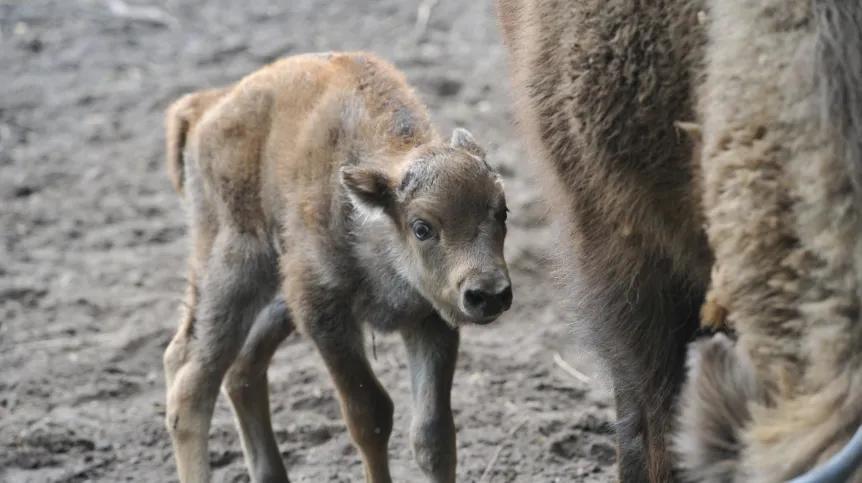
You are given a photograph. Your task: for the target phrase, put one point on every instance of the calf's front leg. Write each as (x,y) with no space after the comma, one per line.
(365,405)
(432,352)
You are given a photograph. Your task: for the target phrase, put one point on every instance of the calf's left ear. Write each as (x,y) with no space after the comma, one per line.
(463,140)
(369,189)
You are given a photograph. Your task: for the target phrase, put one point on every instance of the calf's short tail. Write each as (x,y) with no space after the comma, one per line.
(181,117)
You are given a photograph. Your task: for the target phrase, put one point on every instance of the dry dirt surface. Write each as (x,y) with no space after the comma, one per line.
(94,244)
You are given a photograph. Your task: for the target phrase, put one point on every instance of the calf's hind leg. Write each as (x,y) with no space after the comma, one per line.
(432,352)
(238,279)
(247,387)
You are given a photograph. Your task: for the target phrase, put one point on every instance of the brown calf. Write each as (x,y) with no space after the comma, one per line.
(320,197)
(773,173)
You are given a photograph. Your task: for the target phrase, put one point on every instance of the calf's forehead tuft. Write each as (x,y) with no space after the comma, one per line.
(448,172)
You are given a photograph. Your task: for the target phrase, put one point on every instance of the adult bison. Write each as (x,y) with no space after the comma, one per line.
(705,158)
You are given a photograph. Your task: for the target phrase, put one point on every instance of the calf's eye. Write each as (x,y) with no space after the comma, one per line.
(421,230)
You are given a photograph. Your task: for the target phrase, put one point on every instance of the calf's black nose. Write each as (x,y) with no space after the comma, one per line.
(488,304)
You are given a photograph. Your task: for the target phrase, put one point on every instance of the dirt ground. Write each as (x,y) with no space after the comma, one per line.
(93,247)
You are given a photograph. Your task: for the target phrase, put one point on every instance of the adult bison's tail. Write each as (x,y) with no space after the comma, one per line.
(180,118)
(839,55)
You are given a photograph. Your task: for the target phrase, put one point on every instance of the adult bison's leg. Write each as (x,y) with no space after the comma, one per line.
(599,86)
(643,343)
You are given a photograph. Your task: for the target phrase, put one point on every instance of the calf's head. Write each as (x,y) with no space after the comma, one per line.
(447,216)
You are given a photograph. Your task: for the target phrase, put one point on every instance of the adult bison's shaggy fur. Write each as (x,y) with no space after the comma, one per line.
(752,215)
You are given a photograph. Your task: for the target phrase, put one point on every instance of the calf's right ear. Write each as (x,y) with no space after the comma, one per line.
(464,140)
(369,189)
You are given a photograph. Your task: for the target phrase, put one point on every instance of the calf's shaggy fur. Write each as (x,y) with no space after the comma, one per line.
(320,197)
(755,219)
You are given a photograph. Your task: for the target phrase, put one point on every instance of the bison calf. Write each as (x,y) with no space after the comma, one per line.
(322,198)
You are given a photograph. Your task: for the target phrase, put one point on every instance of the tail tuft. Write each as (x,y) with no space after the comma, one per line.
(713,410)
